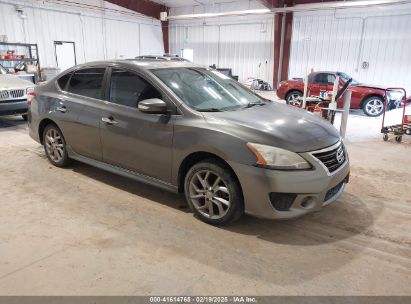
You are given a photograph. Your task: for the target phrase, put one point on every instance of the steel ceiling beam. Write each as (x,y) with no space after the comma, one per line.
(145,7)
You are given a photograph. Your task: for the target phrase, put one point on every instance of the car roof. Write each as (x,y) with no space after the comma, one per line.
(326,72)
(144,64)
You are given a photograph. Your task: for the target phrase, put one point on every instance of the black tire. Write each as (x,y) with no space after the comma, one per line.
(25,117)
(398,139)
(385,137)
(228,181)
(373,106)
(57,152)
(292,94)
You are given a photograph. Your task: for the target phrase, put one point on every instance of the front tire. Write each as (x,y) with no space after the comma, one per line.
(213,193)
(373,106)
(292,98)
(55,146)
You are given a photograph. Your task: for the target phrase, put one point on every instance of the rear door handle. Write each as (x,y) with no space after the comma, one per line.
(109,120)
(62,109)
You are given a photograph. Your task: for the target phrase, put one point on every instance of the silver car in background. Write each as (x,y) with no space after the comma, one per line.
(192,130)
(13,94)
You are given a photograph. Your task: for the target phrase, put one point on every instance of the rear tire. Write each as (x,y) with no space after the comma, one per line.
(373,106)
(213,193)
(55,146)
(292,98)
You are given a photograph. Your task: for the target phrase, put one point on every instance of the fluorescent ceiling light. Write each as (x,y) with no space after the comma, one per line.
(212,15)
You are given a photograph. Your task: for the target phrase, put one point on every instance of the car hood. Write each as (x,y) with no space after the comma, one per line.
(278,125)
(13,82)
(370,86)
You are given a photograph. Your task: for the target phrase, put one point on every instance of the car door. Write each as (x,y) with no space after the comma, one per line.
(131,139)
(79,111)
(322,84)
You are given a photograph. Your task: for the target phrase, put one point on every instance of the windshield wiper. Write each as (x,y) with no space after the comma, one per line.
(209,110)
(252,104)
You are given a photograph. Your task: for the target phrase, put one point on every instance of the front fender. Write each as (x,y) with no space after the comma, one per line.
(201,137)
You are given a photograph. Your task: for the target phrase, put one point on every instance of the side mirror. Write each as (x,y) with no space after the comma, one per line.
(152,106)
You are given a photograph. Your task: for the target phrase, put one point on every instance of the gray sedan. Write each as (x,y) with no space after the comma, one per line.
(192,130)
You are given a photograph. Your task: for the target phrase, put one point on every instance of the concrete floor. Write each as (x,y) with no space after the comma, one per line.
(82,231)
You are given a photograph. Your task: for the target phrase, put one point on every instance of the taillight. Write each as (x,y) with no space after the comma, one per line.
(30,95)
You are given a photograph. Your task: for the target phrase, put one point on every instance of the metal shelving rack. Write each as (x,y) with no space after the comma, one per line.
(30,51)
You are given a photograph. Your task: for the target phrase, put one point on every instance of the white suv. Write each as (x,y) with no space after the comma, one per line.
(13,94)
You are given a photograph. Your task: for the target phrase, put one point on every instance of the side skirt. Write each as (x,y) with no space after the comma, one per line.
(124,172)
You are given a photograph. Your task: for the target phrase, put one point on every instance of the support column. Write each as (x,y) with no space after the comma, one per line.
(164,27)
(282,46)
(287,46)
(277,45)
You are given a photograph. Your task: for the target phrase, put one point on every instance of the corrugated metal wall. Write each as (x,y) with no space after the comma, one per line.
(96,35)
(244,44)
(343,42)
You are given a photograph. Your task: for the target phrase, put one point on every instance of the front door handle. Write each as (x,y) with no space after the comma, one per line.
(61,109)
(109,120)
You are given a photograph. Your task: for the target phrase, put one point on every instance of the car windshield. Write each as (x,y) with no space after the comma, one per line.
(207,90)
(2,70)
(346,77)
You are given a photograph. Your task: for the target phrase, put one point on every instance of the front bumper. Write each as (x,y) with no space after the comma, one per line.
(310,189)
(13,107)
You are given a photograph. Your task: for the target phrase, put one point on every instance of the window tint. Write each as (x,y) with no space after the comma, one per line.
(62,81)
(127,88)
(324,78)
(87,82)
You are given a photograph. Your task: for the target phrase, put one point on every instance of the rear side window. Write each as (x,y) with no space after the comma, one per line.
(324,78)
(87,82)
(63,80)
(127,88)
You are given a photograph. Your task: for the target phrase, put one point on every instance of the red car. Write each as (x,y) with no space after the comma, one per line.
(369,98)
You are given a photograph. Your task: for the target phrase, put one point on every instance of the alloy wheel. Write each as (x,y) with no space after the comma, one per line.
(54,145)
(293,100)
(209,194)
(374,106)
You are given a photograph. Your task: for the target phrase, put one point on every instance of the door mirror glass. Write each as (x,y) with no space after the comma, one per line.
(153,106)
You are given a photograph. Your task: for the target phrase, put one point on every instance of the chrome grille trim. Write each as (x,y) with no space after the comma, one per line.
(332,158)
(12,94)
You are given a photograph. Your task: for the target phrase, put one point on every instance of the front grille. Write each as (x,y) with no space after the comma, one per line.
(11,94)
(333,158)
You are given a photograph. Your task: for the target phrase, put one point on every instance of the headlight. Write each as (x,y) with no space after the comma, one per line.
(276,158)
(29,90)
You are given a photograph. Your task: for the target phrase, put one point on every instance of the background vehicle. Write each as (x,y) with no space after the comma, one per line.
(192,130)
(13,94)
(369,98)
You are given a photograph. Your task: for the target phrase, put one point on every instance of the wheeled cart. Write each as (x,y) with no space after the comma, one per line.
(398,130)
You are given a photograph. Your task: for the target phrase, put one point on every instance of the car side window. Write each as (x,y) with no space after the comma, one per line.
(128,88)
(324,78)
(63,80)
(87,82)
(330,78)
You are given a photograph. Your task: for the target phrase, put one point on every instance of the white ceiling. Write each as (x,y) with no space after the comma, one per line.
(179,3)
